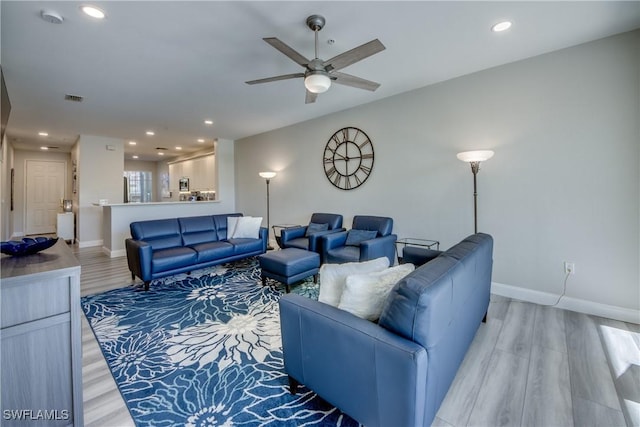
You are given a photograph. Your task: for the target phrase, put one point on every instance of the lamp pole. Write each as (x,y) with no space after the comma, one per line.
(267,176)
(474,158)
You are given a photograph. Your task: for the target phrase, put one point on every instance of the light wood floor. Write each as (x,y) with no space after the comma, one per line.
(529,365)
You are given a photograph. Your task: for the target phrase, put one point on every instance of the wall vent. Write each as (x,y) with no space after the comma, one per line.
(74,98)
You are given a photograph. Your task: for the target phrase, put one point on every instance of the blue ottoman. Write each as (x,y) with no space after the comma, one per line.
(289,266)
(418,256)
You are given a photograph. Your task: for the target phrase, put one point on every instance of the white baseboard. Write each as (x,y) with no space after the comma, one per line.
(115,253)
(567,303)
(89,243)
(17,234)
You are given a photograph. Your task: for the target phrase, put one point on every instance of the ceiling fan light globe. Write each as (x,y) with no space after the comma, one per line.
(317,83)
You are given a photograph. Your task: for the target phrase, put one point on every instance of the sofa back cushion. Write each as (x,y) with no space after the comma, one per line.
(422,306)
(159,233)
(198,229)
(382,225)
(221,225)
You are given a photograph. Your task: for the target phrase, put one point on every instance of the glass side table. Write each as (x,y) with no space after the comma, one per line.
(277,229)
(401,244)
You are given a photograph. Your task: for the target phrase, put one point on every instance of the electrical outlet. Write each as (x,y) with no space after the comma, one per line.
(569,268)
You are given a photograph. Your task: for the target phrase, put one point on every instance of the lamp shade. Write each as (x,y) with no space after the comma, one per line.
(317,82)
(475,156)
(267,175)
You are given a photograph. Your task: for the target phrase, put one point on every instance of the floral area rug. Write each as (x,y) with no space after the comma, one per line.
(204,350)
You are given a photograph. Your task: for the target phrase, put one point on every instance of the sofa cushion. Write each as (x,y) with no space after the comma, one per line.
(197,229)
(171,258)
(159,234)
(241,246)
(210,251)
(365,294)
(333,277)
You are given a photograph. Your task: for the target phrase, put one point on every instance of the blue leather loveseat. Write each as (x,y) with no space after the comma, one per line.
(398,371)
(164,247)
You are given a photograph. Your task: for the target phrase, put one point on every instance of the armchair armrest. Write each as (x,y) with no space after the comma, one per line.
(379,247)
(139,256)
(368,372)
(287,234)
(334,240)
(315,239)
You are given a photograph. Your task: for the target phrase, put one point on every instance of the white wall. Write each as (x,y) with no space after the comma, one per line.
(564,184)
(99,177)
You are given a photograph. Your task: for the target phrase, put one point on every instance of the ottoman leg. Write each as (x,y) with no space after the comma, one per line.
(264,280)
(315,278)
(286,287)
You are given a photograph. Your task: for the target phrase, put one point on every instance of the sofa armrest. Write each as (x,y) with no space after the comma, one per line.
(287,234)
(373,375)
(264,236)
(139,256)
(379,247)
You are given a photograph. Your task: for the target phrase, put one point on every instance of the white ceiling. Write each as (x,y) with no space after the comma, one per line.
(169,65)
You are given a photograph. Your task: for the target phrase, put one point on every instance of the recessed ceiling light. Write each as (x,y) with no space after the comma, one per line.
(208,122)
(134,157)
(132,143)
(93,11)
(43,134)
(501,26)
(150,132)
(160,153)
(178,148)
(200,140)
(44,148)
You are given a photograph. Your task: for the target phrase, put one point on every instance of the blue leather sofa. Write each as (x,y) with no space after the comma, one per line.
(164,247)
(298,237)
(337,250)
(398,371)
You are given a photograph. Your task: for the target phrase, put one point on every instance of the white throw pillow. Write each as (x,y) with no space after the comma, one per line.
(333,276)
(247,227)
(364,294)
(232,222)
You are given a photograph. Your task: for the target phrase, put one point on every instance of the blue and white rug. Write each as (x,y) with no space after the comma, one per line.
(204,350)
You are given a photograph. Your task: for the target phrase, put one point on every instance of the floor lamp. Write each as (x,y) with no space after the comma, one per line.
(474,158)
(267,176)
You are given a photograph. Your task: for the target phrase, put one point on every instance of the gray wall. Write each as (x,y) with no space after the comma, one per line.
(564,184)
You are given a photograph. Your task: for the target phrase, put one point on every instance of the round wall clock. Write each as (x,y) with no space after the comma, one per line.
(348,158)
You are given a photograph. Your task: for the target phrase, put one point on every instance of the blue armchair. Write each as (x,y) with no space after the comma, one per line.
(308,237)
(370,237)
(395,372)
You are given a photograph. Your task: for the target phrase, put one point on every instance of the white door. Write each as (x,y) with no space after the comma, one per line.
(45,182)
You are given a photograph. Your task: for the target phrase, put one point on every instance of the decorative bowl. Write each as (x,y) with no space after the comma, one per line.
(27,245)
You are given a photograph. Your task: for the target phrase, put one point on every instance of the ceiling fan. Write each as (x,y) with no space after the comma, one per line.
(319,74)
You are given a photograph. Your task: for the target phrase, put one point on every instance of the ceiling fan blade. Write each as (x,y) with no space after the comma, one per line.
(310,98)
(287,50)
(349,80)
(275,78)
(354,55)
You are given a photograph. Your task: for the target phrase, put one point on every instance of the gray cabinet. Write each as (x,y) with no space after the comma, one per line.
(41,348)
